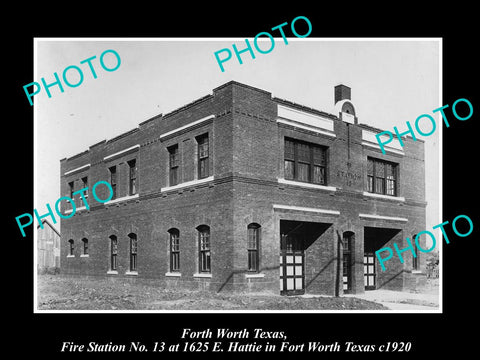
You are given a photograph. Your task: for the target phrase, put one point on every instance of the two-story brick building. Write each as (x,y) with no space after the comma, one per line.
(239,190)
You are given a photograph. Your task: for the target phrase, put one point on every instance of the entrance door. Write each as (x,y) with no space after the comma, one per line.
(292,278)
(369,271)
(348,245)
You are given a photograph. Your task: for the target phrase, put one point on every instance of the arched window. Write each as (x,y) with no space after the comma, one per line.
(174,245)
(113,252)
(71,247)
(133,251)
(85,246)
(204,249)
(253,245)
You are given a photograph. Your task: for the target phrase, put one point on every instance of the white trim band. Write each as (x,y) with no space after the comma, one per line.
(173,274)
(187,183)
(202,275)
(121,152)
(380,217)
(76,169)
(254,276)
(306,127)
(381,196)
(386,148)
(187,126)
(309,119)
(306,185)
(299,208)
(124,198)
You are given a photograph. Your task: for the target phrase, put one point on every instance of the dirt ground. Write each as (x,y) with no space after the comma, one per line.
(57,292)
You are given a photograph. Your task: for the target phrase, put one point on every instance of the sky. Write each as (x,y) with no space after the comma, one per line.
(392,81)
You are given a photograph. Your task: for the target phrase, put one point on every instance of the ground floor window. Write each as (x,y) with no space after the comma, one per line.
(204,249)
(253,240)
(174,250)
(133,252)
(113,252)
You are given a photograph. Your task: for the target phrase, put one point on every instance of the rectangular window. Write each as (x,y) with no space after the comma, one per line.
(381,177)
(132,164)
(174,251)
(305,162)
(113,180)
(204,245)
(133,252)
(85,185)
(203,156)
(70,189)
(174,160)
(113,253)
(253,232)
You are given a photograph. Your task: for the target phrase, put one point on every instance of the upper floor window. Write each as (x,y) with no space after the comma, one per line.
(132,186)
(305,162)
(203,156)
(381,177)
(174,161)
(70,189)
(113,180)
(85,185)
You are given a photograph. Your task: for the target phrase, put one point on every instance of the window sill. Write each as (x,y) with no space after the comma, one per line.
(173,274)
(85,255)
(112,272)
(70,256)
(186,184)
(417,272)
(125,198)
(306,185)
(254,275)
(386,197)
(134,273)
(202,275)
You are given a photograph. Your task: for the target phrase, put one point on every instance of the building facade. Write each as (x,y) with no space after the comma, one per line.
(240,190)
(48,247)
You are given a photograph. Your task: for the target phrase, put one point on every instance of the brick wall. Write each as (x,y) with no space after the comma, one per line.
(246,160)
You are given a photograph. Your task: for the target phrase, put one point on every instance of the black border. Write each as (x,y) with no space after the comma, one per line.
(430,334)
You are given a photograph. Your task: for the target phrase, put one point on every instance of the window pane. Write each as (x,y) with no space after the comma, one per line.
(203,147)
(303,172)
(303,152)
(203,168)
(318,174)
(319,155)
(370,167)
(370,183)
(379,169)
(289,150)
(390,187)
(289,170)
(379,186)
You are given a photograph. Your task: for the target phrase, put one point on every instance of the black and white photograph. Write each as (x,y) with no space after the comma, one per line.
(291,182)
(237,195)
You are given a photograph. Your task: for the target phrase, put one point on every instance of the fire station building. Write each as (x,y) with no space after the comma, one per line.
(243,191)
